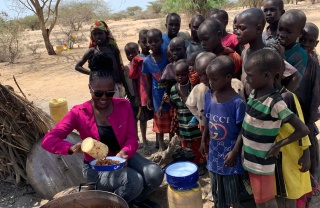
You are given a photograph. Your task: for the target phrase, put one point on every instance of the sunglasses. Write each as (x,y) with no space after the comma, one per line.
(100,93)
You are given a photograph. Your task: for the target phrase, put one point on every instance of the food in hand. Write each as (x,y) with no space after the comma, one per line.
(107,161)
(94,148)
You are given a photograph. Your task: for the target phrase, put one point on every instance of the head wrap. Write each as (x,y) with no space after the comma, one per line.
(101,25)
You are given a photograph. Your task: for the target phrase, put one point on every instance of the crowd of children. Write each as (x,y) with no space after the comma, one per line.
(262,126)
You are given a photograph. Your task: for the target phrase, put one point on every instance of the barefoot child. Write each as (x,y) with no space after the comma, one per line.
(228,39)
(265,113)
(139,82)
(293,163)
(141,114)
(103,41)
(309,40)
(190,135)
(224,111)
(153,66)
(195,44)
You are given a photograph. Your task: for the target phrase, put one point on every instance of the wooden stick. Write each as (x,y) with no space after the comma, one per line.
(19,87)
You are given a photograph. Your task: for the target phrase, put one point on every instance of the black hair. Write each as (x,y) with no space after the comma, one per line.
(204,58)
(255,16)
(211,12)
(214,24)
(172,14)
(177,40)
(131,45)
(193,55)
(143,33)
(312,28)
(297,16)
(222,14)
(279,4)
(266,60)
(224,64)
(100,65)
(181,62)
(198,17)
(155,32)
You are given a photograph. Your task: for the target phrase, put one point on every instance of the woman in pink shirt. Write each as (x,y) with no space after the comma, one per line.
(111,121)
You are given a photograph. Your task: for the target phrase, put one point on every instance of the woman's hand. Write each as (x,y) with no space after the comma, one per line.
(123,154)
(76,148)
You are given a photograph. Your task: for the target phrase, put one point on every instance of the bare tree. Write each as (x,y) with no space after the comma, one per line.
(47,13)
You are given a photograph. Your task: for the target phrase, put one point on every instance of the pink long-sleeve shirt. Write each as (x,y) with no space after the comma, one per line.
(81,118)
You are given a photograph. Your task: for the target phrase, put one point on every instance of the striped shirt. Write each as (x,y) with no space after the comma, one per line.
(261,125)
(187,132)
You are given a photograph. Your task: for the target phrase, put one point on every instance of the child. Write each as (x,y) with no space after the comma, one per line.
(131,49)
(290,28)
(210,34)
(173,23)
(250,24)
(193,75)
(102,40)
(195,101)
(190,135)
(309,40)
(153,66)
(228,39)
(293,163)
(265,113)
(224,110)
(234,25)
(177,51)
(273,10)
(195,44)
(139,81)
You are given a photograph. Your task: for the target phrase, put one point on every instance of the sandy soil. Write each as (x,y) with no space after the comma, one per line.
(43,77)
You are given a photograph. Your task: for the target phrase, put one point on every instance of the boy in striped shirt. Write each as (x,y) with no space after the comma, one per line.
(265,113)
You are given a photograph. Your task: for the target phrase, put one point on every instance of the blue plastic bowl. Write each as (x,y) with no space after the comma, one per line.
(109,167)
(182,175)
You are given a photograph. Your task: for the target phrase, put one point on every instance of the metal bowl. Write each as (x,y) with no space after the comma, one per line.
(109,167)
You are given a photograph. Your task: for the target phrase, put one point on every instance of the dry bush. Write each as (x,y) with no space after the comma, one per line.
(33,47)
(146,15)
(9,44)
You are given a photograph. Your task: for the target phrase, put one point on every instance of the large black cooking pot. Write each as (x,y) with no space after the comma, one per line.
(88,199)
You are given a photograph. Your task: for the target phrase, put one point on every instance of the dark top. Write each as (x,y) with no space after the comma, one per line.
(108,137)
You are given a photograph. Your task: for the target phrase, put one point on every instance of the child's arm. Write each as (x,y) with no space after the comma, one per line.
(79,66)
(230,158)
(205,135)
(136,92)
(149,90)
(294,82)
(304,161)
(300,131)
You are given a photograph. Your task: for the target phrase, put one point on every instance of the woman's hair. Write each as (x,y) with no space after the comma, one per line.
(100,65)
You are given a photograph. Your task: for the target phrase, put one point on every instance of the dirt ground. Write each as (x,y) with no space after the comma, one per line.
(43,77)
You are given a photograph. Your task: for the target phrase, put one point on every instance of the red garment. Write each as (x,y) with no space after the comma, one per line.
(195,145)
(235,57)
(136,73)
(161,125)
(194,78)
(230,41)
